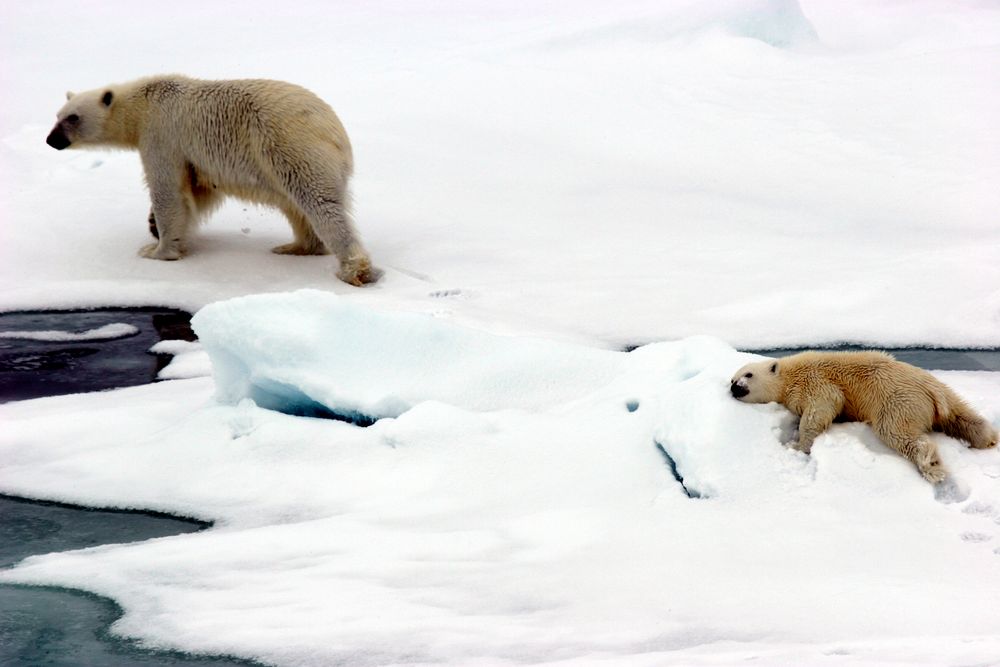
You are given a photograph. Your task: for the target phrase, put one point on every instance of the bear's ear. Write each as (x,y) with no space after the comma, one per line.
(69,94)
(106,98)
(774,367)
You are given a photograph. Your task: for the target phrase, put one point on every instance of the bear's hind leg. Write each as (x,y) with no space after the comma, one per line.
(306,242)
(964,424)
(326,203)
(916,447)
(331,218)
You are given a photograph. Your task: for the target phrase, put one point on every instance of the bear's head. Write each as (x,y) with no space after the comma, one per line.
(759,382)
(82,119)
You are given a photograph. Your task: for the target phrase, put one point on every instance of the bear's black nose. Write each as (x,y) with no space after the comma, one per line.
(57,139)
(738,391)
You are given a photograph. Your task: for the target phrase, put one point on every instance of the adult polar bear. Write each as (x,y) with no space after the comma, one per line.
(267,142)
(902,403)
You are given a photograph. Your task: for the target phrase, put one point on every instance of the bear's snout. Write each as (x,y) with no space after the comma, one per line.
(738,390)
(57,139)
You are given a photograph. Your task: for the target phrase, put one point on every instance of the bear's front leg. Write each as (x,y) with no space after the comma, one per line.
(817,416)
(172,211)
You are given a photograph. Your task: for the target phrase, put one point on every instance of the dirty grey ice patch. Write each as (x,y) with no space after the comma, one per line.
(445,293)
(979,509)
(951,490)
(787,429)
(975,537)
(689,491)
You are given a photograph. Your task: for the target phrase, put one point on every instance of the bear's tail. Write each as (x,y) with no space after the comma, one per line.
(957,420)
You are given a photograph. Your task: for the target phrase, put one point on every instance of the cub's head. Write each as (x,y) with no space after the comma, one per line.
(759,382)
(82,119)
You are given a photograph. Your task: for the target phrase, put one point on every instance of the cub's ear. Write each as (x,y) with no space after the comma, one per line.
(106,98)
(69,94)
(774,367)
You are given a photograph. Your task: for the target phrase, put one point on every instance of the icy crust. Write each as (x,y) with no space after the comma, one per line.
(289,351)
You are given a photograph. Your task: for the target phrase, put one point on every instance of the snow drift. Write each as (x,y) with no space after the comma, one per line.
(633,514)
(769,172)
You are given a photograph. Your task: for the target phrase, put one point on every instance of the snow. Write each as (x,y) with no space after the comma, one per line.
(360,362)
(106,332)
(476,524)
(767,172)
(188,360)
(545,184)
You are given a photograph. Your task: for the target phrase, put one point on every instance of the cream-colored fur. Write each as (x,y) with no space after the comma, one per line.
(267,142)
(902,403)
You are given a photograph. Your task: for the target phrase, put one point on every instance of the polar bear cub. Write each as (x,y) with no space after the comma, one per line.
(902,403)
(267,142)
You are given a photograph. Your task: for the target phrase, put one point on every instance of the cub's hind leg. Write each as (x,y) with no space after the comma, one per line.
(916,447)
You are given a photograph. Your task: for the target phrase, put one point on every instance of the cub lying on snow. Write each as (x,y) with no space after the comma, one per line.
(902,403)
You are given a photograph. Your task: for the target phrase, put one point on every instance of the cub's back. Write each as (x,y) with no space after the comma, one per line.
(862,377)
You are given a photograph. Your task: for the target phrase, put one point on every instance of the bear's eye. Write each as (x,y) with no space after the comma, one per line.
(748,375)
(73,119)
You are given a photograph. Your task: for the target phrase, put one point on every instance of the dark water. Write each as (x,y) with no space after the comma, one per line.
(933,359)
(58,627)
(32,369)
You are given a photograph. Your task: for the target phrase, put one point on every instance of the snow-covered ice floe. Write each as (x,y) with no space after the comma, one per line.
(513,501)
(188,360)
(106,332)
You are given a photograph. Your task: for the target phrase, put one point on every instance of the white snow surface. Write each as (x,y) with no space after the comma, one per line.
(493,519)
(543,183)
(188,360)
(764,171)
(106,332)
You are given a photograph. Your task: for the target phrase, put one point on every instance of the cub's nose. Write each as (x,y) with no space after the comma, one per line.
(738,391)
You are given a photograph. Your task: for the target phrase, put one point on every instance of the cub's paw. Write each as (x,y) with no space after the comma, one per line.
(930,466)
(800,447)
(934,473)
